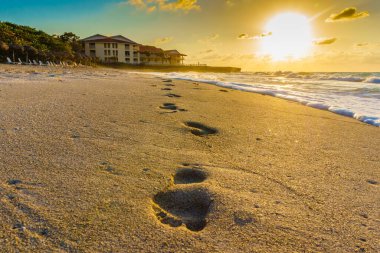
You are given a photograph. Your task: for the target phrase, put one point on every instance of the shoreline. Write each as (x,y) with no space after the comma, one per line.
(172,68)
(103,160)
(370,120)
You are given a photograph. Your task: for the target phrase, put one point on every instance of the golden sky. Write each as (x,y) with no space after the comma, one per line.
(342,35)
(257,35)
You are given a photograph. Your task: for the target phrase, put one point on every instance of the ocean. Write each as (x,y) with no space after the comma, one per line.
(355,95)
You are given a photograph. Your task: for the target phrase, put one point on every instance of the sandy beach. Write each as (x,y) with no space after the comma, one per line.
(99,160)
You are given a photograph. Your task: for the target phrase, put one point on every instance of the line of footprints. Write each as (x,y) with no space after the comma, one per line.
(187,205)
(196,128)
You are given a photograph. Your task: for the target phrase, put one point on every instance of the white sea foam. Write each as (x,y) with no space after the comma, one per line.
(355,95)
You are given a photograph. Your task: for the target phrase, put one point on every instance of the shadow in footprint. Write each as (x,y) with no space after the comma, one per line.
(200,129)
(169,106)
(173,108)
(167,81)
(183,206)
(189,176)
(373,182)
(166,89)
(172,95)
(14,181)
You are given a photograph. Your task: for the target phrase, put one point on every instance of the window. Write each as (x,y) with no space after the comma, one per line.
(108,45)
(126,46)
(127,59)
(127,53)
(92,45)
(135,60)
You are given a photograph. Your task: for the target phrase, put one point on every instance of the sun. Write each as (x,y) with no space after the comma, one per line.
(288,36)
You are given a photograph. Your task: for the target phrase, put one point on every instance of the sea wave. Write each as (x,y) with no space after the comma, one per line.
(372,79)
(354,95)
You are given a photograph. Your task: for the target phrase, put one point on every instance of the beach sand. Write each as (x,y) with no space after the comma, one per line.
(126,162)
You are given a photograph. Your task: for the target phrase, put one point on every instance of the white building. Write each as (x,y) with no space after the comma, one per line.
(112,49)
(151,55)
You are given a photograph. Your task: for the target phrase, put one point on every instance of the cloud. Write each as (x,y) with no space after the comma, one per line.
(164,5)
(164,40)
(245,36)
(207,51)
(137,3)
(325,41)
(211,38)
(347,14)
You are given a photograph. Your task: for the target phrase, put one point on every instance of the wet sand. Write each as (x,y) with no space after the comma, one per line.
(124,162)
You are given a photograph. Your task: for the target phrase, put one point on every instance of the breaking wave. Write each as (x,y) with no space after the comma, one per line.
(355,95)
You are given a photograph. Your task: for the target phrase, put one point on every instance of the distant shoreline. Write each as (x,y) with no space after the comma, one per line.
(172,68)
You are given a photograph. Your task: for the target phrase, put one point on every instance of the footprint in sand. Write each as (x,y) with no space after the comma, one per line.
(373,182)
(172,107)
(14,181)
(184,206)
(189,176)
(166,89)
(169,106)
(172,95)
(200,129)
(167,81)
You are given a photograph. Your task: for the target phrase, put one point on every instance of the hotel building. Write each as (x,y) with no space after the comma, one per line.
(121,49)
(112,49)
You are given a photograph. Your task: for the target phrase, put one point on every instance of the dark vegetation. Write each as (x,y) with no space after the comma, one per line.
(27,43)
